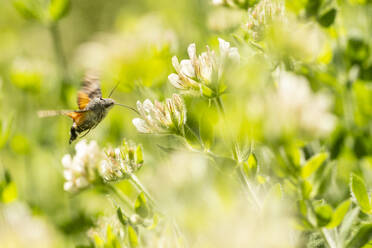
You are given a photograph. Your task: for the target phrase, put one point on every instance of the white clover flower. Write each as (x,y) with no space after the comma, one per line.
(199,74)
(81,170)
(263,14)
(162,118)
(92,165)
(120,162)
(295,106)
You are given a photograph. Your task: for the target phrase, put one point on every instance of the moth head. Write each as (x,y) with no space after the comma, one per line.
(107,102)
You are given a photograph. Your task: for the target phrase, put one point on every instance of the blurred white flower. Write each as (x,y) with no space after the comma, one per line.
(81,170)
(218,2)
(106,50)
(18,228)
(295,106)
(198,74)
(263,14)
(162,118)
(222,20)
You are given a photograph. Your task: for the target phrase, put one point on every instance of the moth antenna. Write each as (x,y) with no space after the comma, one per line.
(113,89)
(128,107)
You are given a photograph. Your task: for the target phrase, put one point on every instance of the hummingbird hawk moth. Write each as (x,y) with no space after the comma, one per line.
(92,108)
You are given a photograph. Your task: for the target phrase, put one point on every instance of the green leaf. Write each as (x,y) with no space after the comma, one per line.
(5,129)
(369,245)
(323,214)
(302,207)
(155,222)
(339,214)
(306,189)
(328,18)
(122,218)
(139,155)
(359,192)
(58,9)
(294,154)
(250,167)
(110,236)
(313,164)
(312,7)
(362,236)
(26,10)
(133,237)
(357,50)
(9,193)
(141,207)
(206,91)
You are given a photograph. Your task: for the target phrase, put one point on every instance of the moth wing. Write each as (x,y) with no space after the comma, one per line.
(77,116)
(90,89)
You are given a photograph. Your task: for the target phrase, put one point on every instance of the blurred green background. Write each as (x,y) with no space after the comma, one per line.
(42,63)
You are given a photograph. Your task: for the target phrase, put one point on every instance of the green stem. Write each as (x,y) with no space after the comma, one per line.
(251,190)
(220,105)
(58,51)
(133,178)
(120,196)
(137,183)
(245,179)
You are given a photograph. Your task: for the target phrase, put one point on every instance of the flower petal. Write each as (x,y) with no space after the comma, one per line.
(175,80)
(141,125)
(68,186)
(187,68)
(66,161)
(234,54)
(176,64)
(191,50)
(224,46)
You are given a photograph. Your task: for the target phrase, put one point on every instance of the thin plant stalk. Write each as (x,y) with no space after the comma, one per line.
(251,190)
(220,105)
(133,178)
(245,180)
(58,51)
(120,196)
(140,187)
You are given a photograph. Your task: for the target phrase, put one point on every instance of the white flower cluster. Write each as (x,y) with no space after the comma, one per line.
(201,74)
(81,170)
(120,162)
(263,14)
(91,165)
(162,118)
(294,105)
